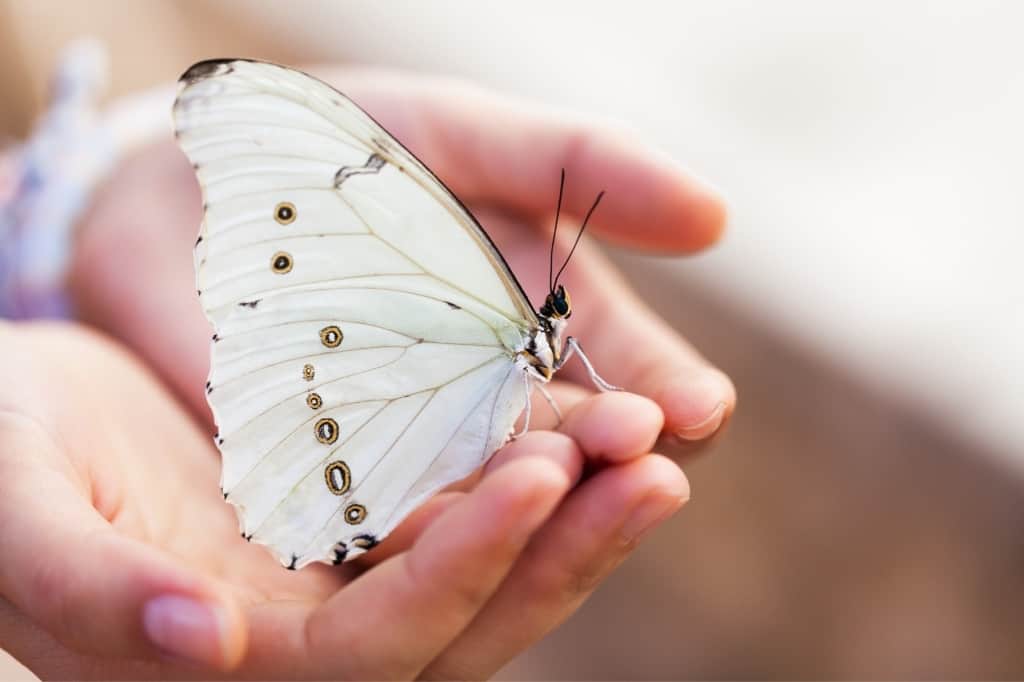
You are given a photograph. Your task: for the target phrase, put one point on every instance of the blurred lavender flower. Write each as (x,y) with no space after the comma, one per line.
(46,182)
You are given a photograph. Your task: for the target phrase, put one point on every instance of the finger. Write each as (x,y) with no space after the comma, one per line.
(566,395)
(409,530)
(91,588)
(496,149)
(560,450)
(542,418)
(696,398)
(614,426)
(150,208)
(397,617)
(592,532)
(557,448)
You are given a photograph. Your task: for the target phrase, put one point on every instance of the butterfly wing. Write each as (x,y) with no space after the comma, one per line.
(367,330)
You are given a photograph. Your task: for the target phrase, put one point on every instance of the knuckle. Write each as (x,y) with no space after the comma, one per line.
(463,590)
(582,580)
(468,594)
(575,580)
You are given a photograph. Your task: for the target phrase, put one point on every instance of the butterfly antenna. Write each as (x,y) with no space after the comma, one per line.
(554,233)
(579,235)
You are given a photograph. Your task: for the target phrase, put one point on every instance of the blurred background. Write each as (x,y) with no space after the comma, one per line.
(862,515)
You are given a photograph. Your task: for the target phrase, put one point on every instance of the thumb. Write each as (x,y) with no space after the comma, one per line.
(96,591)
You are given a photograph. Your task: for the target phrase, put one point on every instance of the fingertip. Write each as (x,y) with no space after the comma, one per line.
(697,401)
(693,213)
(615,426)
(710,215)
(667,478)
(206,631)
(653,200)
(665,490)
(185,614)
(236,635)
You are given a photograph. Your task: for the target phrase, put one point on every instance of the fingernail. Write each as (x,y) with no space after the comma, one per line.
(705,427)
(649,514)
(185,628)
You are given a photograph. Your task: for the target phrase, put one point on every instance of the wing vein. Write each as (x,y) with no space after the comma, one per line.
(455,433)
(391,447)
(320,386)
(303,288)
(325,458)
(433,274)
(244,375)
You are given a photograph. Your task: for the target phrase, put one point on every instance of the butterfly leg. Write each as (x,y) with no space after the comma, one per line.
(573,347)
(539,379)
(527,412)
(551,402)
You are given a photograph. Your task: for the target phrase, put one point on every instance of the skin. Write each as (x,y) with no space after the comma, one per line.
(111,508)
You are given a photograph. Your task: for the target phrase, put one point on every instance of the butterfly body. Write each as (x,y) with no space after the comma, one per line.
(371,344)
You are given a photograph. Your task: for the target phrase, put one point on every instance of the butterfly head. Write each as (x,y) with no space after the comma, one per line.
(558,305)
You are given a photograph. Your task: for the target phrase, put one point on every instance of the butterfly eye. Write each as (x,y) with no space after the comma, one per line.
(284,213)
(559,303)
(281,263)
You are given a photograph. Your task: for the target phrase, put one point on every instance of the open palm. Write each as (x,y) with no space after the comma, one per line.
(132,550)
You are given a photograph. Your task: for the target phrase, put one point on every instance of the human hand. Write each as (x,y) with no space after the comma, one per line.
(121,560)
(133,277)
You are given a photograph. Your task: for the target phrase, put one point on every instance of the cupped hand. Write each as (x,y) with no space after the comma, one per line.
(132,277)
(121,560)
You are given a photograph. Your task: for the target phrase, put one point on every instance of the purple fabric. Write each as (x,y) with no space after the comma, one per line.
(46,183)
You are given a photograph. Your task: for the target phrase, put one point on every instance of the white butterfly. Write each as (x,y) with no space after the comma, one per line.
(371,345)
